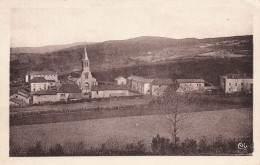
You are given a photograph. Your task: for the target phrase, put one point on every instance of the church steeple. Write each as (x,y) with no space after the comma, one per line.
(85,61)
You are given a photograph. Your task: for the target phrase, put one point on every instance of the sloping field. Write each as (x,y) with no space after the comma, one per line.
(233,123)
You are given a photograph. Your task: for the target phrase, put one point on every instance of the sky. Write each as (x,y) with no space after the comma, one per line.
(33,27)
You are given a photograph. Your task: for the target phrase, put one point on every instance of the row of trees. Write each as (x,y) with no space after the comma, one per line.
(160,146)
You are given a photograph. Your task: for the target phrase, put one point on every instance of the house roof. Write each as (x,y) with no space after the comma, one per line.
(41,73)
(38,80)
(140,79)
(162,82)
(190,81)
(108,87)
(69,88)
(237,76)
(119,77)
(51,81)
(75,75)
(17,101)
(24,93)
(45,92)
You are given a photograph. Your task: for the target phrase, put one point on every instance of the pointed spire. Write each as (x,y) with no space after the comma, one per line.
(86,54)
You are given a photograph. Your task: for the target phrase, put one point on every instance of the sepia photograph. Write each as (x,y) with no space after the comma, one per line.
(132,80)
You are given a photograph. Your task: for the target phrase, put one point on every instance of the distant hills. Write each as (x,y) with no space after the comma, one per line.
(138,51)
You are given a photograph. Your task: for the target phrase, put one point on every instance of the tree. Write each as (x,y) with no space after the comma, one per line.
(172,104)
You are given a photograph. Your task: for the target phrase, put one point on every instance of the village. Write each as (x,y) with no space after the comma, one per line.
(43,87)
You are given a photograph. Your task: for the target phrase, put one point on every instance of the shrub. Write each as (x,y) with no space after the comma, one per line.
(203,146)
(36,150)
(56,150)
(189,146)
(161,145)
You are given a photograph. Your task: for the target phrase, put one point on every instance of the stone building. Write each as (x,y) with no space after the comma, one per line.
(68,92)
(139,84)
(44,96)
(236,83)
(158,86)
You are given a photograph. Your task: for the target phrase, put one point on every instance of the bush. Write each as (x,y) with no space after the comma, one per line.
(203,146)
(161,145)
(56,150)
(189,146)
(36,150)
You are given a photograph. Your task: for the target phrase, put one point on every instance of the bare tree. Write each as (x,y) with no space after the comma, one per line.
(172,104)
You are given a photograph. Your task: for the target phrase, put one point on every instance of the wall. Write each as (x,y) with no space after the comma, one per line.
(192,86)
(63,96)
(108,93)
(37,99)
(140,87)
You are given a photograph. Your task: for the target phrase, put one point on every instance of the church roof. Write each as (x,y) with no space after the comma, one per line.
(69,88)
(38,80)
(85,56)
(108,87)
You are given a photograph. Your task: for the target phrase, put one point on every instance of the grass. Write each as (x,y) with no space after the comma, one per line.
(233,123)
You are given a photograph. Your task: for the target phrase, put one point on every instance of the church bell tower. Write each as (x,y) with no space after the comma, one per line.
(85,62)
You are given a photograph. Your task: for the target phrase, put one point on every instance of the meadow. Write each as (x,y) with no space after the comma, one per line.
(231,123)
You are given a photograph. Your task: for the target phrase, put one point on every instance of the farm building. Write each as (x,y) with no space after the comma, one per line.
(68,92)
(23,96)
(233,83)
(44,96)
(48,75)
(139,84)
(189,85)
(120,80)
(38,83)
(158,86)
(105,91)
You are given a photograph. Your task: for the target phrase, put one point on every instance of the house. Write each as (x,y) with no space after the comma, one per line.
(189,85)
(120,80)
(84,80)
(48,75)
(22,95)
(68,92)
(233,83)
(158,86)
(38,83)
(106,91)
(14,102)
(139,84)
(44,96)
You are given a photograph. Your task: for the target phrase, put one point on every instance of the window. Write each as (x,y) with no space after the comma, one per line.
(229,84)
(44,86)
(97,92)
(159,85)
(235,84)
(34,89)
(62,95)
(242,84)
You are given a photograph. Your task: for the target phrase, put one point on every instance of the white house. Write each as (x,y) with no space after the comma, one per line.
(38,83)
(189,85)
(233,83)
(139,84)
(120,80)
(105,91)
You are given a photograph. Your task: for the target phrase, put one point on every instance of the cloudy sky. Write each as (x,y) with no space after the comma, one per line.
(32,27)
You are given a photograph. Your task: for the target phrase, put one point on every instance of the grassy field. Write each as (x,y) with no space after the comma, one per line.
(233,123)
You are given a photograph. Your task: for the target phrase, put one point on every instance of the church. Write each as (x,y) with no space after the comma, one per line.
(85,81)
